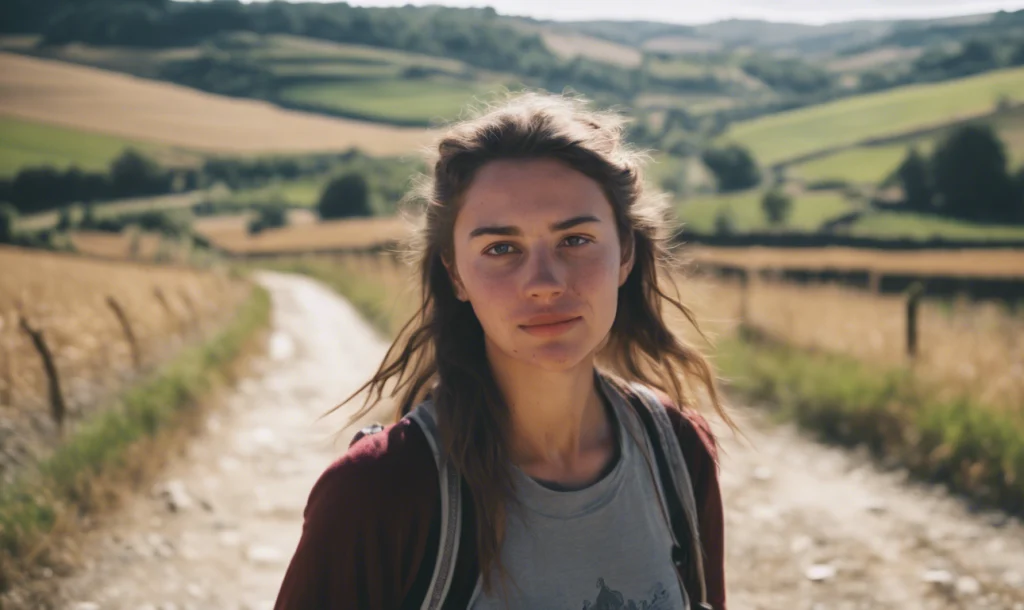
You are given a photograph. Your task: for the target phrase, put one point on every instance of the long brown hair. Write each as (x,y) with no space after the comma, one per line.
(439,353)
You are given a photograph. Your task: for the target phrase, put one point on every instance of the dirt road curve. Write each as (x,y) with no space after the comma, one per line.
(808,526)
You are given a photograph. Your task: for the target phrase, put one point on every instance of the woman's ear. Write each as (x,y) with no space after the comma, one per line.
(453,275)
(626,266)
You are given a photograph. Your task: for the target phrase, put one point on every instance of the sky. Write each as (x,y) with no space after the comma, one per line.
(705,11)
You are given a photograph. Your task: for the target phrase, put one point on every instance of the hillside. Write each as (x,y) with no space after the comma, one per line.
(85,98)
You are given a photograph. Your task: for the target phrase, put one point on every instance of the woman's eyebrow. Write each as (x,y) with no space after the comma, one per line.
(513,230)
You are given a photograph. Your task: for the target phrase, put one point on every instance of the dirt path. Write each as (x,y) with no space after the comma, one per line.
(808,526)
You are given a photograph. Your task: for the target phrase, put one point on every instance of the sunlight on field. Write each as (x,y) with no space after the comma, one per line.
(921,226)
(82,98)
(790,134)
(867,165)
(809,211)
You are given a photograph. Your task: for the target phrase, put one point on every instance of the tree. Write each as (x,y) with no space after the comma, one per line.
(344,197)
(913,177)
(970,176)
(777,206)
(64,219)
(725,224)
(133,173)
(7,217)
(269,216)
(733,166)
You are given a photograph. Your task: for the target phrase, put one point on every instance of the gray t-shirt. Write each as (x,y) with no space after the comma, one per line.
(603,547)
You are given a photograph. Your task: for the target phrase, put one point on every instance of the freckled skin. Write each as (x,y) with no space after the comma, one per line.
(507,279)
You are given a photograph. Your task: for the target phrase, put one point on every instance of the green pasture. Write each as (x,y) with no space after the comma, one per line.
(862,165)
(295,49)
(872,164)
(786,135)
(420,101)
(302,192)
(28,143)
(809,211)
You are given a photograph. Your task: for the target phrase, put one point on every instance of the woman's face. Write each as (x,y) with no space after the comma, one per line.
(538,256)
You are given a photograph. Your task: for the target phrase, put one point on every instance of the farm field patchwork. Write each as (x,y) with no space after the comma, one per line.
(809,211)
(82,97)
(786,135)
(305,237)
(922,226)
(26,143)
(436,99)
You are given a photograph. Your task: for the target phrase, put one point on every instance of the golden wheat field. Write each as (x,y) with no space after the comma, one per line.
(231,235)
(129,245)
(963,347)
(993,263)
(66,299)
(82,97)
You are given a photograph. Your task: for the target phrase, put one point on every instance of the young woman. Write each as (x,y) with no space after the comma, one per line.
(541,262)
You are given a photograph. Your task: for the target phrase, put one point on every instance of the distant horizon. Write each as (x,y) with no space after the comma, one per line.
(805,12)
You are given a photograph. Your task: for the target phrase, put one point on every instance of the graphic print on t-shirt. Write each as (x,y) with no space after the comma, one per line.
(610,599)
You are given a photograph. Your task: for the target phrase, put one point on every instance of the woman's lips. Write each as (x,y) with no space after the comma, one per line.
(551,329)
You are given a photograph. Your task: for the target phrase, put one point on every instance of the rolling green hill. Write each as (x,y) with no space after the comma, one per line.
(789,135)
(27,143)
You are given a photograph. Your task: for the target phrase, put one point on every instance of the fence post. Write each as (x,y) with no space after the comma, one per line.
(162,298)
(744,298)
(7,378)
(126,326)
(58,408)
(913,301)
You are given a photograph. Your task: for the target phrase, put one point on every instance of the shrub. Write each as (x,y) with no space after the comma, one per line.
(344,197)
(734,167)
(777,206)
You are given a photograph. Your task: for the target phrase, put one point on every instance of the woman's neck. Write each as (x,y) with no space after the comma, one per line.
(560,430)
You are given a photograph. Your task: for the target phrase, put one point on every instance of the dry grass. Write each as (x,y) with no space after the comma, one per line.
(118,246)
(993,263)
(963,348)
(107,102)
(304,237)
(66,298)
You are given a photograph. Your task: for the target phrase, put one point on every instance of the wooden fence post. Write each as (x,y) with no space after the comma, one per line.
(126,326)
(6,376)
(162,298)
(913,301)
(744,298)
(58,408)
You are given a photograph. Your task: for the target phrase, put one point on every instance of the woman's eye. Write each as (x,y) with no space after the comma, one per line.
(499,249)
(576,240)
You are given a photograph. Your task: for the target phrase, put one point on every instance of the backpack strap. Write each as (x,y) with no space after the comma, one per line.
(681,505)
(451,507)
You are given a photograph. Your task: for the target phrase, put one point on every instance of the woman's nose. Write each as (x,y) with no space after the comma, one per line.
(545,277)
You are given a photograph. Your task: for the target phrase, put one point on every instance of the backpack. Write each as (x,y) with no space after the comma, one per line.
(675,493)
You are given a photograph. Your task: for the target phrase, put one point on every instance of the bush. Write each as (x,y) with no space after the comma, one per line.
(913,177)
(7,217)
(725,224)
(269,217)
(777,206)
(733,166)
(345,197)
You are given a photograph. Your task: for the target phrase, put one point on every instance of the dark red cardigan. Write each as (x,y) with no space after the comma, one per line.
(373,518)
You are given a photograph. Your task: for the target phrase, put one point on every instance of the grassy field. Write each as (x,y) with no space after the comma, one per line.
(124,107)
(966,263)
(786,135)
(862,165)
(872,164)
(809,211)
(304,192)
(29,143)
(435,99)
(332,235)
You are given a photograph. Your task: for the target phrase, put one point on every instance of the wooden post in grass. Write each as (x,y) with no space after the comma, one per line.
(162,298)
(744,297)
(58,408)
(191,306)
(6,377)
(126,327)
(913,300)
